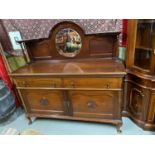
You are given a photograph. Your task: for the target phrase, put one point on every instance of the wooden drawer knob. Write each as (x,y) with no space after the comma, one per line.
(24,83)
(107,85)
(72,84)
(53,84)
(44,101)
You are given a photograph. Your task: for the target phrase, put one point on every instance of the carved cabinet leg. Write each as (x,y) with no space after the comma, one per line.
(118,127)
(29,119)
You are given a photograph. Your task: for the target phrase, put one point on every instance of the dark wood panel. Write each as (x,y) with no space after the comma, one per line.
(151,112)
(101,46)
(40,50)
(92,104)
(44,101)
(136,104)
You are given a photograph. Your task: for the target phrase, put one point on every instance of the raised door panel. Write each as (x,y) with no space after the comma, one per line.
(136,102)
(151,112)
(93,104)
(44,101)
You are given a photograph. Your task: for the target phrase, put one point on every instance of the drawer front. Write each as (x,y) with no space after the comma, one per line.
(93,104)
(43,101)
(104,83)
(38,82)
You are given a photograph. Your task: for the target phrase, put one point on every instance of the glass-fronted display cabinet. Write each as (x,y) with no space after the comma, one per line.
(144,47)
(139,84)
(142,50)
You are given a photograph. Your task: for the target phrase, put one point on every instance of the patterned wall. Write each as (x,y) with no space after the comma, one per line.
(39,28)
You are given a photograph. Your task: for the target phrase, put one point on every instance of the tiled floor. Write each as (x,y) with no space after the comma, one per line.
(62,127)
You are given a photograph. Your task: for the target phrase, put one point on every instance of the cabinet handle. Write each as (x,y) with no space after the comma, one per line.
(72,84)
(107,85)
(44,101)
(24,83)
(91,104)
(53,84)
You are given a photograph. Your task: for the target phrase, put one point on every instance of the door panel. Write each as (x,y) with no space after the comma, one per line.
(136,101)
(93,104)
(44,101)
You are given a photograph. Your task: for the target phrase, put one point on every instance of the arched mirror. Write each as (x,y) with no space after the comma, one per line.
(68,42)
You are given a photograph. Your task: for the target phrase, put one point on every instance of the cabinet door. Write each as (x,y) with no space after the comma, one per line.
(144,46)
(151,111)
(44,101)
(95,104)
(136,101)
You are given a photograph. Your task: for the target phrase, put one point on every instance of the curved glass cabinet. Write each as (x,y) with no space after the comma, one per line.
(139,98)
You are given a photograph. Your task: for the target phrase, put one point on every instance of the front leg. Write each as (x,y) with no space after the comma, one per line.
(29,119)
(118,127)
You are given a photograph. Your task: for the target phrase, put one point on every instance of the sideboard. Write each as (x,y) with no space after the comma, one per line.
(73,76)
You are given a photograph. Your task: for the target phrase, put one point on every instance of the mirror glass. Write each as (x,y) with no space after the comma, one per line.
(68,42)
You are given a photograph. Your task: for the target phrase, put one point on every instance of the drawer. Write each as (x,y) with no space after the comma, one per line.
(104,83)
(43,101)
(93,104)
(38,82)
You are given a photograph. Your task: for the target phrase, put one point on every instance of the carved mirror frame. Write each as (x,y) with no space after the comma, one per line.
(76,30)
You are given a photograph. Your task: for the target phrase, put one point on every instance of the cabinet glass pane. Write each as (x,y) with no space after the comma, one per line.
(143,49)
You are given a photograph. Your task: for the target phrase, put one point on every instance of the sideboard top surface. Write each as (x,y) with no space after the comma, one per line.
(72,67)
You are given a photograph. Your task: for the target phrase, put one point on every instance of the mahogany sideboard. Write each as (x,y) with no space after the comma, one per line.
(73,76)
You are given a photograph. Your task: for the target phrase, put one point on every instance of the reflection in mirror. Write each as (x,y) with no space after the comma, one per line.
(68,42)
